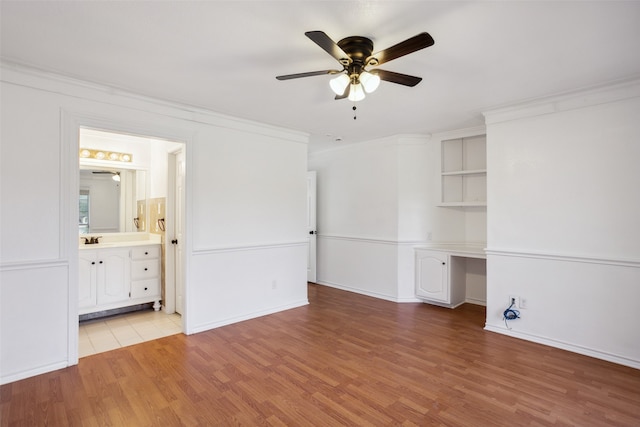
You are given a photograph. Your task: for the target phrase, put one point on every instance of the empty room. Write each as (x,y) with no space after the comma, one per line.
(319,213)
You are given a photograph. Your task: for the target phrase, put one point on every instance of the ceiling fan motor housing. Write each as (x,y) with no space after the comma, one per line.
(359,49)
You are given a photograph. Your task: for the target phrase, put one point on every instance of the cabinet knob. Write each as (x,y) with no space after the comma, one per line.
(146,253)
(93,263)
(443,263)
(145,269)
(100,262)
(146,289)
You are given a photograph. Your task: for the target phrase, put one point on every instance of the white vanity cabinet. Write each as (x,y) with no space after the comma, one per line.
(145,272)
(115,277)
(87,283)
(104,277)
(440,274)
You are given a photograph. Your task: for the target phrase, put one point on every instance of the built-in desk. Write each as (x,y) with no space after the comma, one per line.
(443,274)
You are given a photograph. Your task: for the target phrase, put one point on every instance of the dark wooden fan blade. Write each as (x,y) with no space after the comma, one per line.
(309,74)
(401,79)
(406,47)
(325,42)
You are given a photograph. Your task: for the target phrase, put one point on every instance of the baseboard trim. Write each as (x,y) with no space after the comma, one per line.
(231,320)
(33,372)
(613,358)
(363,292)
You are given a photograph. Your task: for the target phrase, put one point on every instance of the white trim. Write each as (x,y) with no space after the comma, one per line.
(460,133)
(31,264)
(252,247)
(32,372)
(373,240)
(621,360)
(68,86)
(231,320)
(398,140)
(366,293)
(476,301)
(589,259)
(601,94)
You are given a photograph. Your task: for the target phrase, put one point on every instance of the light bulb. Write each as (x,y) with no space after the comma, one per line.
(339,84)
(356,93)
(369,81)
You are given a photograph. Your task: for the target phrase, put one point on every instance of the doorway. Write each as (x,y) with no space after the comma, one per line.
(311,226)
(147,205)
(174,277)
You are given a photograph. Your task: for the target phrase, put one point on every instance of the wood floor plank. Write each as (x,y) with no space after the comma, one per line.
(345,359)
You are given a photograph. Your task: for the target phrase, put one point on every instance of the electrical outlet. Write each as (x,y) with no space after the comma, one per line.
(523,302)
(515,300)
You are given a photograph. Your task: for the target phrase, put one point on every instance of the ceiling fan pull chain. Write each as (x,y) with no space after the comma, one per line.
(354,112)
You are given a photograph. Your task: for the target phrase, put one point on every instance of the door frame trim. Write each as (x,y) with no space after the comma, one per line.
(70,124)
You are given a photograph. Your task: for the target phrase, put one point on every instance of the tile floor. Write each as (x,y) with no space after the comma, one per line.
(100,335)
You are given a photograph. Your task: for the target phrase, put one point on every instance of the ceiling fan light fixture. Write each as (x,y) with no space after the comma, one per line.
(369,81)
(339,84)
(356,93)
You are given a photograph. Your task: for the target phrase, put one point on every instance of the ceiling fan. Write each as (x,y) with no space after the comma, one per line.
(355,55)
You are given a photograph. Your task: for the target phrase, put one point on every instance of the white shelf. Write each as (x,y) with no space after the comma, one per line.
(463,172)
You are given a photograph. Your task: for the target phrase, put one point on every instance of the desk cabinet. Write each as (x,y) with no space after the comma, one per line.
(440,274)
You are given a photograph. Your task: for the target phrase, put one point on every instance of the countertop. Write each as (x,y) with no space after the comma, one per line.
(470,251)
(120,240)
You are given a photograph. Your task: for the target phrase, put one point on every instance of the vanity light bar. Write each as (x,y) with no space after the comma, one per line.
(87,153)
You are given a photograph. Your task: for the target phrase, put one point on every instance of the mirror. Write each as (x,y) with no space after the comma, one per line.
(112,200)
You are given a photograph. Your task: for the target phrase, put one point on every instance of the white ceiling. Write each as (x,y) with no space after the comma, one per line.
(224,55)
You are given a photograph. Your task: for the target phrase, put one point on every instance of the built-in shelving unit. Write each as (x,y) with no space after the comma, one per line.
(464,171)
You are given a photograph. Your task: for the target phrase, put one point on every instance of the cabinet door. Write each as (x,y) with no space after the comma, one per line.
(87,279)
(113,276)
(431,276)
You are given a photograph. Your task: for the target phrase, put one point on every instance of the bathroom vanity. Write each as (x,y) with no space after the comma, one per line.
(119,272)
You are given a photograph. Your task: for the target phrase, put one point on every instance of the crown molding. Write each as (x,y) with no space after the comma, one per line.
(50,81)
(460,133)
(587,97)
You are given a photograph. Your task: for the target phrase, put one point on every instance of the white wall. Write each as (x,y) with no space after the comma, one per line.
(371,211)
(376,201)
(563,221)
(245,213)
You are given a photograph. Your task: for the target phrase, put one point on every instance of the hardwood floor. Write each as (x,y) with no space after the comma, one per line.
(345,359)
